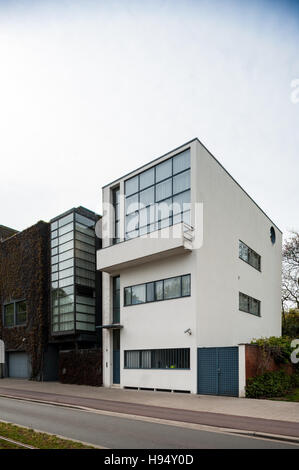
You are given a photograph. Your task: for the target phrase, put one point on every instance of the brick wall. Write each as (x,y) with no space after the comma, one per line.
(256,365)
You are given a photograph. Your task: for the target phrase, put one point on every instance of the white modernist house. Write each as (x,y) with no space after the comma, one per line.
(191,271)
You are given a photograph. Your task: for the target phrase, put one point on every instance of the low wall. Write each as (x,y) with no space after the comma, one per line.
(82,367)
(256,364)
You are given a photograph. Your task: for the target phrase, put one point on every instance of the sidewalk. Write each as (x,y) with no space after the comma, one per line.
(273,417)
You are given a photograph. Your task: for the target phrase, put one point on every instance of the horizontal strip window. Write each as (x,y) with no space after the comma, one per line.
(158,359)
(165,289)
(85,318)
(66,282)
(249,304)
(249,256)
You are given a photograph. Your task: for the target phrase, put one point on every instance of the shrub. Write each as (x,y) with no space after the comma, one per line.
(271,384)
(290,323)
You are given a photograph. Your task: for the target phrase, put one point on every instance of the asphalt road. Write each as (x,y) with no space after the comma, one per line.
(115,432)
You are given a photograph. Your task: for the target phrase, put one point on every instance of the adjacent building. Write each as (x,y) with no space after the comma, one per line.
(191,270)
(50,294)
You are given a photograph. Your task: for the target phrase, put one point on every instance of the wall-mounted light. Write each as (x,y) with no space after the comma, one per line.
(188,331)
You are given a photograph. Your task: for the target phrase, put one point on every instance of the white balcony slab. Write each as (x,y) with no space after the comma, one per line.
(168,241)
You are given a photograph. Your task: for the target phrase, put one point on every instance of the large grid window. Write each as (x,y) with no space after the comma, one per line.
(249,304)
(15,314)
(158,359)
(158,197)
(73,273)
(165,289)
(249,256)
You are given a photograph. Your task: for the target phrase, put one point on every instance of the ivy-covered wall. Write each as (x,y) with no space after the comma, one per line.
(82,367)
(24,275)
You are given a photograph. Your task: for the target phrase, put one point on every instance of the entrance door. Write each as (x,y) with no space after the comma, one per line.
(116,356)
(218,371)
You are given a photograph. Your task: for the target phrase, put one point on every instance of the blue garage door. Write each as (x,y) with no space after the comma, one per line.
(19,365)
(218,371)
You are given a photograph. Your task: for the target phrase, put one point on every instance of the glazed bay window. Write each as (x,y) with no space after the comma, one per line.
(158,359)
(249,304)
(165,289)
(249,256)
(158,197)
(73,273)
(15,314)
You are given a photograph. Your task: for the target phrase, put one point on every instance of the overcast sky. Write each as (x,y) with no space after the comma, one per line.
(90,90)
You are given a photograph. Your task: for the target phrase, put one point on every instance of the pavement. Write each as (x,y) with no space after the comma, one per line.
(259,416)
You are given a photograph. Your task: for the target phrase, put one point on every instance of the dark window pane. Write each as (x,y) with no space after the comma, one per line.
(186,285)
(138,294)
(172,288)
(9,315)
(159,290)
(150,292)
(128,296)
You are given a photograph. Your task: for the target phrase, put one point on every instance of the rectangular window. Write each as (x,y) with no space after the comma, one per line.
(249,256)
(169,183)
(158,359)
(15,314)
(116,215)
(165,289)
(249,304)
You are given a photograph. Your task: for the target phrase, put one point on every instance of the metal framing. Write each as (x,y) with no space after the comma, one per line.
(154,282)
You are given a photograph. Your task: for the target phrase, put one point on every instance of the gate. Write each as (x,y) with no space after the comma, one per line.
(218,371)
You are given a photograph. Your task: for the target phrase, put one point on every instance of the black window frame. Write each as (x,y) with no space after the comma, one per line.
(249,299)
(155,294)
(157,224)
(15,323)
(161,356)
(250,250)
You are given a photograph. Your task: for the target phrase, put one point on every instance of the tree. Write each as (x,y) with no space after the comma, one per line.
(290,274)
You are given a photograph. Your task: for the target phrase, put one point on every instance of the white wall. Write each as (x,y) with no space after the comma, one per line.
(230,215)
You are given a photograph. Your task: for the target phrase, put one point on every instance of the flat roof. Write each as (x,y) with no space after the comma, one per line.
(178,148)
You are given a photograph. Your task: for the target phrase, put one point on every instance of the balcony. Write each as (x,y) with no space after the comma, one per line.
(168,241)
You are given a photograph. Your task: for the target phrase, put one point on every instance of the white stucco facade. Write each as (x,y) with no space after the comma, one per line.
(221,215)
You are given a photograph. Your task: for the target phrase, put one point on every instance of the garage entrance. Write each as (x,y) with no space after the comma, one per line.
(218,371)
(19,365)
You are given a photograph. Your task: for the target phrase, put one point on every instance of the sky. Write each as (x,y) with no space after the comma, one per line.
(91,90)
